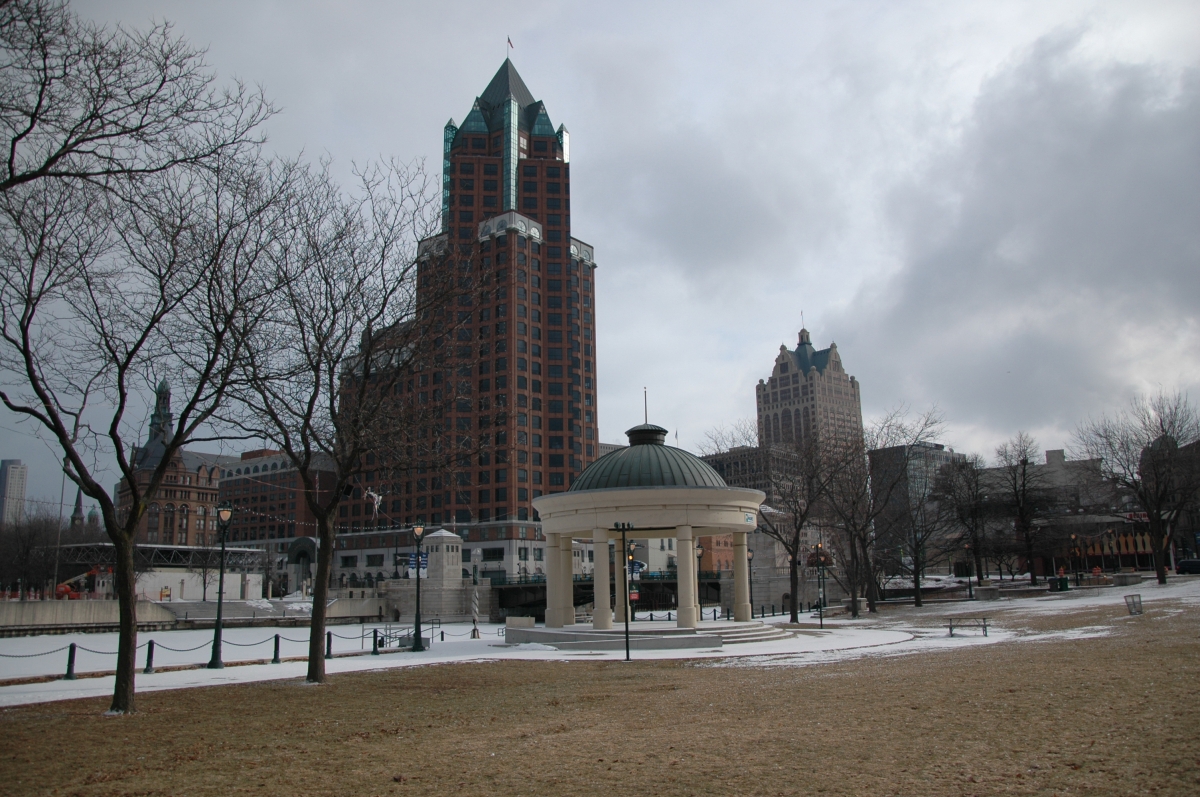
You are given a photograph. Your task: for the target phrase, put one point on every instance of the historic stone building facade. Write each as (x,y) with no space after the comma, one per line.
(808,393)
(183,510)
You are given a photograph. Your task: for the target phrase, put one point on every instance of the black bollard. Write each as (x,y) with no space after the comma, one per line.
(443,639)
(149,658)
(329,644)
(772,610)
(374,641)
(276,660)
(70,676)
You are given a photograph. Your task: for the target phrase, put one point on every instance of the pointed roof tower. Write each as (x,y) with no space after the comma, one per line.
(77,515)
(506,83)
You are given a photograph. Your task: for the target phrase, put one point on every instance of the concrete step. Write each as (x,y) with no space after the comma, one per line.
(748,632)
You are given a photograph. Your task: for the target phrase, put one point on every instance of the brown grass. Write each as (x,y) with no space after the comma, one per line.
(1109,716)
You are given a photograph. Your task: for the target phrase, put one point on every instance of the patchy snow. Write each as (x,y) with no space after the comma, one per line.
(897,631)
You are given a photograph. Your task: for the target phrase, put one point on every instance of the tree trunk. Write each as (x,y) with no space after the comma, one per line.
(853,579)
(1029,557)
(125,584)
(978,565)
(794,580)
(316,635)
(1159,542)
(871,586)
(917,578)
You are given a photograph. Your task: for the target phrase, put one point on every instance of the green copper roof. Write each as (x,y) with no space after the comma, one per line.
(647,462)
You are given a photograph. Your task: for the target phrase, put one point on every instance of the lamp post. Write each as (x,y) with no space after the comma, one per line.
(821,583)
(418,646)
(699,556)
(750,567)
(626,552)
(224,515)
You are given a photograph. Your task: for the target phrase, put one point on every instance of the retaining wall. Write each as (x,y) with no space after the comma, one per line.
(76,613)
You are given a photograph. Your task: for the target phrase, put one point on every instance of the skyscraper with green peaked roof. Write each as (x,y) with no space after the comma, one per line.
(512,359)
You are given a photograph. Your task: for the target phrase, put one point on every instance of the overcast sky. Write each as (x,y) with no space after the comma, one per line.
(989,207)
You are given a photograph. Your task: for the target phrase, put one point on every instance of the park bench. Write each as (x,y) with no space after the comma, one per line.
(968,622)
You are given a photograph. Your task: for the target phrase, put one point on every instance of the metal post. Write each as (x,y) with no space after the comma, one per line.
(276,659)
(374,641)
(149,658)
(329,644)
(417,644)
(70,676)
(625,586)
(224,515)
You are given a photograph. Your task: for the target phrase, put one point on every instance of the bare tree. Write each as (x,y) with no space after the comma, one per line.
(903,479)
(326,377)
(720,439)
(963,495)
(800,474)
(1150,449)
(861,495)
(82,102)
(99,302)
(27,552)
(1023,485)
(131,210)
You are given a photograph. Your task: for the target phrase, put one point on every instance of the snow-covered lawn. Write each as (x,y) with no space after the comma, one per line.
(896,631)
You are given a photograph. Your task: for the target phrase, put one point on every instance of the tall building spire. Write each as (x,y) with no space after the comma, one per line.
(161,419)
(77,515)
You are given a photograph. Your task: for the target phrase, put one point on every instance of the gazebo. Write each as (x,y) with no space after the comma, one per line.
(653,491)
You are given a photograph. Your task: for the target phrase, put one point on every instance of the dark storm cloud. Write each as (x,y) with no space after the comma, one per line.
(1051,262)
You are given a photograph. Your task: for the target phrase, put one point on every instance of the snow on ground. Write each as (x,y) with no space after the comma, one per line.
(895,632)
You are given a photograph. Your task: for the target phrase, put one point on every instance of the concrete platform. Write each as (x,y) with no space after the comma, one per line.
(646,636)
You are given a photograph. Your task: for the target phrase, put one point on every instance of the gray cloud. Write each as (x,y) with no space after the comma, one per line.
(1052,259)
(983,211)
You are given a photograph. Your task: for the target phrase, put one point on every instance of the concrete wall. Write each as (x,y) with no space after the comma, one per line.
(28,613)
(188,585)
(449,602)
(359,607)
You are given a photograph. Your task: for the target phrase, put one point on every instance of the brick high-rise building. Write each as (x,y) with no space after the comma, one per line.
(512,357)
(506,211)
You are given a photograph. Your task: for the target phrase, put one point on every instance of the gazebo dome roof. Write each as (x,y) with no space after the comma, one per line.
(647,462)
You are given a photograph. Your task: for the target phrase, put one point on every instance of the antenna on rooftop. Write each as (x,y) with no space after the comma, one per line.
(645,406)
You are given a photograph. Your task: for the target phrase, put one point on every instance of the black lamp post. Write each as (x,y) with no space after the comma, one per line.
(699,609)
(793,598)
(750,567)
(224,515)
(418,646)
(627,555)
(821,583)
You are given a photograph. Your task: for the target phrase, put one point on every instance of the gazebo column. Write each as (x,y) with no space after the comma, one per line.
(601,610)
(741,579)
(553,613)
(566,597)
(685,563)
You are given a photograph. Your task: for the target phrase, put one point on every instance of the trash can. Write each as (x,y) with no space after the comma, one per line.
(1064,584)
